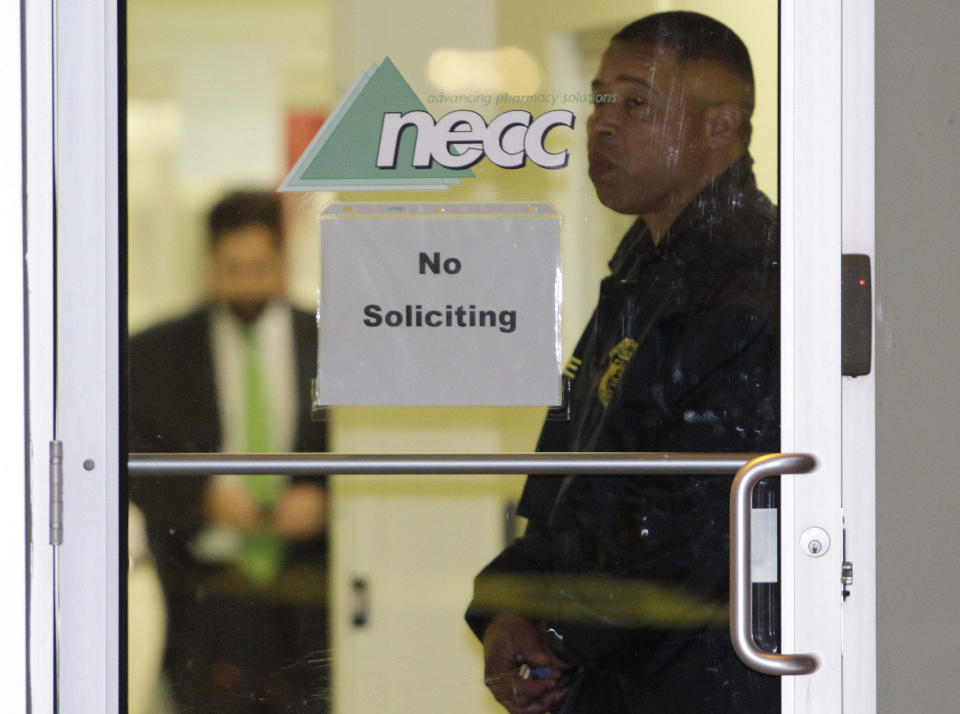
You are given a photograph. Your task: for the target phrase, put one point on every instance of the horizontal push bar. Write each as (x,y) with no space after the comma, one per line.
(305,464)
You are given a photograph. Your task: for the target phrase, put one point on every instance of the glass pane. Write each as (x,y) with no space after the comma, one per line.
(348,593)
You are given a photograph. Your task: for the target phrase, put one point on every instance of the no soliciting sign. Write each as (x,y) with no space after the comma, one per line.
(439,304)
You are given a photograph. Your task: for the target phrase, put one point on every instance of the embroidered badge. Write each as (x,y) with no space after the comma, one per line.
(619,356)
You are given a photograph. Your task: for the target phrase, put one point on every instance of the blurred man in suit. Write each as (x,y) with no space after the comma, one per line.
(235,553)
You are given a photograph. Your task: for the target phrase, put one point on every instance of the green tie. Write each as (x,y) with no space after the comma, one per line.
(262,551)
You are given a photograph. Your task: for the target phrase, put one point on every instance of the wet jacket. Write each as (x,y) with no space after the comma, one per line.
(631,573)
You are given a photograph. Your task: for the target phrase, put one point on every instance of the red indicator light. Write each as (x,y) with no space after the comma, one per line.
(862,281)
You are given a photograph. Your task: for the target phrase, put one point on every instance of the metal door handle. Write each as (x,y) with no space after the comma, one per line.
(741,590)
(752,468)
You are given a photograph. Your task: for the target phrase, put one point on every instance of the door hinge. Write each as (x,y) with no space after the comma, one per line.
(846,577)
(56,492)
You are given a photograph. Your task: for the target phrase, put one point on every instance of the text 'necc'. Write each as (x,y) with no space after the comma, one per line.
(508,141)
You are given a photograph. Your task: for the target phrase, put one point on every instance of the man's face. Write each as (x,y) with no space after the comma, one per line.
(247,270)
(647,148)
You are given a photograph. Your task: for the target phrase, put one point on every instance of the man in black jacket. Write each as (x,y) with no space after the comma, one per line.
(614,600)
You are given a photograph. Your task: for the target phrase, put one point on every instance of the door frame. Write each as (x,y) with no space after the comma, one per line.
(810,229)
(14,435)
(35,74)
(859,393)
(91,588)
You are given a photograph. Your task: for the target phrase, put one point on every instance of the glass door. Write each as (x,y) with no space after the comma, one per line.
(346,228)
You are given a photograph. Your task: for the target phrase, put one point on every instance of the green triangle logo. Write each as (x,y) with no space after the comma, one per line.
(343,154)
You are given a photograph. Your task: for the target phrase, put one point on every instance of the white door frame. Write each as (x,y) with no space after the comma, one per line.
(37,54)
(88,374)
(810,224)
(822,136)
(858,394)
(827,132)
(13,423)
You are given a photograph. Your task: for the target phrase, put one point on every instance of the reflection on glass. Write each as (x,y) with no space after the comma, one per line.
(280,594)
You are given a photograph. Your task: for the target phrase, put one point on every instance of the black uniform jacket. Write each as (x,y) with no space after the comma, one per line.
(681,354)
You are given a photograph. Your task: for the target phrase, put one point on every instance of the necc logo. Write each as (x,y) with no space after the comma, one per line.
(380,137)
(461,138)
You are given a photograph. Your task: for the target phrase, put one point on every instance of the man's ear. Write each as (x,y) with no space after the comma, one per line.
(723,124)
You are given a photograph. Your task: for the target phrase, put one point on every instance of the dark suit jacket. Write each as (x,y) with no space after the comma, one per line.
(172,407)
(173,399)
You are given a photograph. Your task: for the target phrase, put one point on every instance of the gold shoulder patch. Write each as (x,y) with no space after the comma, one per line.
(619,356)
